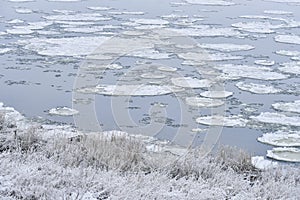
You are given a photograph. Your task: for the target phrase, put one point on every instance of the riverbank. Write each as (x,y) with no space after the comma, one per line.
(42,161)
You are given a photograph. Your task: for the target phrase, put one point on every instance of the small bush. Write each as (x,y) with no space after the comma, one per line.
(95,150)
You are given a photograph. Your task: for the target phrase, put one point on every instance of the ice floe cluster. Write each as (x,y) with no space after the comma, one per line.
(215,55)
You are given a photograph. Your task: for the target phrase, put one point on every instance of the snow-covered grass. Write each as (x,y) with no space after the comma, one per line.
(95,166)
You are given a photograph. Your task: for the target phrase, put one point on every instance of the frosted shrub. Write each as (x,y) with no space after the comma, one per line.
(28,140)
(101,152)
(2,120)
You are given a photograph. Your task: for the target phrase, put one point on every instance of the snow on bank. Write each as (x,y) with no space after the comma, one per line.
(261,163)
(116,167)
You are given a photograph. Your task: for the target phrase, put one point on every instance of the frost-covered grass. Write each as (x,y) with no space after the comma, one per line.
(120,167)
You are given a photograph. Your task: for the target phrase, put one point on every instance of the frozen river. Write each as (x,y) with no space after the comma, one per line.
(191,72)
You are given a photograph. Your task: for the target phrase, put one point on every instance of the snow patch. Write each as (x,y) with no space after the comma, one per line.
(261,163)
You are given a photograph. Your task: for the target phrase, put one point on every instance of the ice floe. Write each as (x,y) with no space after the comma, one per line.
(288,154)
(288,106)
(130,90)
(5,50)
(208,56)
(203,102)
(150,54)
(22,30)
(208,31)
(281,139)
(226,47)
(289,39)
(94,29)
(150,21)
(74,46)
(167,69)
(211,2)
(77,17)
(247,71)
(288,53)
(258,27)
(290,67)
(188,82)
(278,12)
(20,1)
(261,163)
(63,111)
(93,66)
(64,0)
(153,75)
(284,1)
(24,10)
(265,62)
(216,94)
(277,118)
(99,8)
(257,88)
(218,120)
(15,21)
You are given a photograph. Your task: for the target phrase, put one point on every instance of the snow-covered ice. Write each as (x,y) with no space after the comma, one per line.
(288,154)
(290,67)
(74,46)
(5,50)
(167,69)
(150,54)
(153,75)
(288,106)
(218,120)
(277,118)
(249,71)
(257,88)
(77,17)
(150,21)
(216,94)
(227,47)
(24,10)
(203,102)
(281,139)
(289,39)
(130,90)
(278,12)
(189,82)
(63,111)
(265,62)
(211,2)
